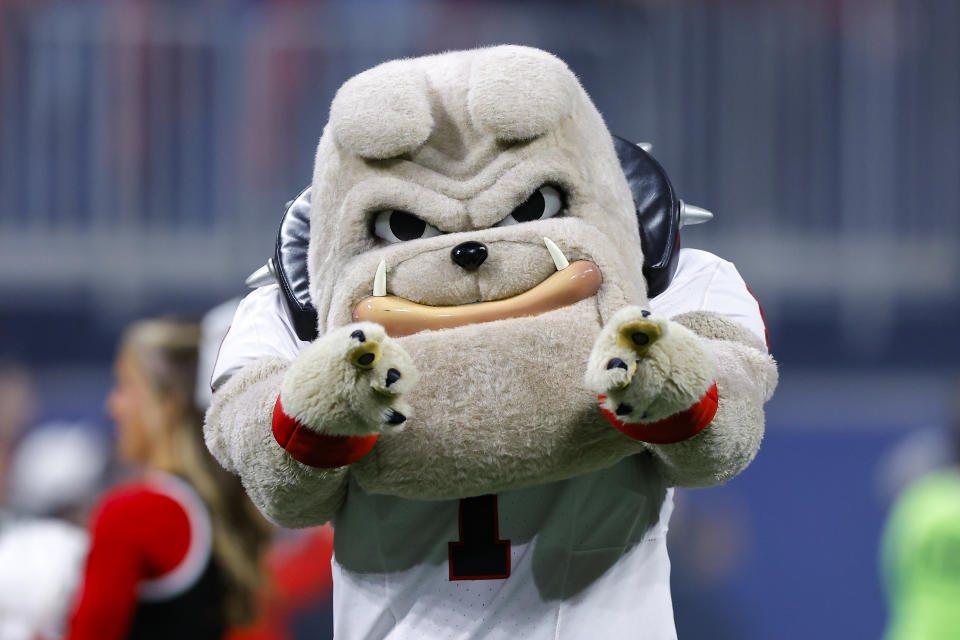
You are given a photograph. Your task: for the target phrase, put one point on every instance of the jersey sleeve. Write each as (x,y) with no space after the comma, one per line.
(135,534)
(108,595)
(705,282)
(730,296)
(261,328)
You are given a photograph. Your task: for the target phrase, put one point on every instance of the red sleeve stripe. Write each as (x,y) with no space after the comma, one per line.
(676,428)
(763,318)
(317,449)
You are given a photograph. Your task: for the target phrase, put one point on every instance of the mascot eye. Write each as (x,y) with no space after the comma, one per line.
(543,203)
(400,226)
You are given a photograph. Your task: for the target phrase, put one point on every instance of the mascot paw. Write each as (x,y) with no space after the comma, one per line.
(350,382)
(648,368)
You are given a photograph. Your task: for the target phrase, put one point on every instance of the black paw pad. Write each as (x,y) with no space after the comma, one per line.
(624,409)
(395,417)
(358,335)
(640,338)
(645,313)
(366,358)
(617,363)
(392,376)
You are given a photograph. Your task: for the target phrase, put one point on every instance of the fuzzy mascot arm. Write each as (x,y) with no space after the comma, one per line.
(746,376)
(293,428)
(692,388)
(239,434)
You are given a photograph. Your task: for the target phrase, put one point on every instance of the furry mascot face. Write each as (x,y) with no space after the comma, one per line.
(482,147)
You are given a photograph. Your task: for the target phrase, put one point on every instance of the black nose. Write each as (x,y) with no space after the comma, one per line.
(469,255)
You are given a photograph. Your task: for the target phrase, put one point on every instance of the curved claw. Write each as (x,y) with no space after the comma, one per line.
(623,374)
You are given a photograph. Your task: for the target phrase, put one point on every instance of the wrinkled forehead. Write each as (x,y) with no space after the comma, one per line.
(460,139)
(454,100)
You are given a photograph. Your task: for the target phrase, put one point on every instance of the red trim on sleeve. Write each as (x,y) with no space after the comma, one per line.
(317,449)
(763,319)
(676,428)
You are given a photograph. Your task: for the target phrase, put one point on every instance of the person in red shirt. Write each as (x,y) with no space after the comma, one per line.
(175,553)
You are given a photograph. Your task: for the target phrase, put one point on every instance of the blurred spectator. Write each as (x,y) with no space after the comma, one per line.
(17,406)
(40,563)
(921,554)
(53,472)
(177,552)
(917,454)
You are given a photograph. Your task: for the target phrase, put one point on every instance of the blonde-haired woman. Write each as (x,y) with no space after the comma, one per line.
(175,553)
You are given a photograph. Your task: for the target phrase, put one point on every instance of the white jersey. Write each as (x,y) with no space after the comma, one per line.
(584,558)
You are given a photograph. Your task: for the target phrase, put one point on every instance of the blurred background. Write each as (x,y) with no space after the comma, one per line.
(147,150)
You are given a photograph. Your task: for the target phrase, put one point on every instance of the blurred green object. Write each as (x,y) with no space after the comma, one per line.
(921,559)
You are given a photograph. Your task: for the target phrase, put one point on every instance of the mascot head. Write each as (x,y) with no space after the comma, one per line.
(473,204)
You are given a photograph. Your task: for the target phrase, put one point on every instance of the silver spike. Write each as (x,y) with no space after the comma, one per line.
(267,274)
(646,146)
(692,214)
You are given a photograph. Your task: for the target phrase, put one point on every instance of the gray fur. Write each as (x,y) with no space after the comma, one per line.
(239,434)
(712,325)
(746,378)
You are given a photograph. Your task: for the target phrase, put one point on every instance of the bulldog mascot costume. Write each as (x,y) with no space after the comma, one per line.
(468,366)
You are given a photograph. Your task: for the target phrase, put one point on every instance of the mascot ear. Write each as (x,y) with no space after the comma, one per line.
(659,212)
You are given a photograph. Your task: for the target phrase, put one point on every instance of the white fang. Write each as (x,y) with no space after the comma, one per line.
(380,280)
(692,214)
(559,259)
(646,146)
